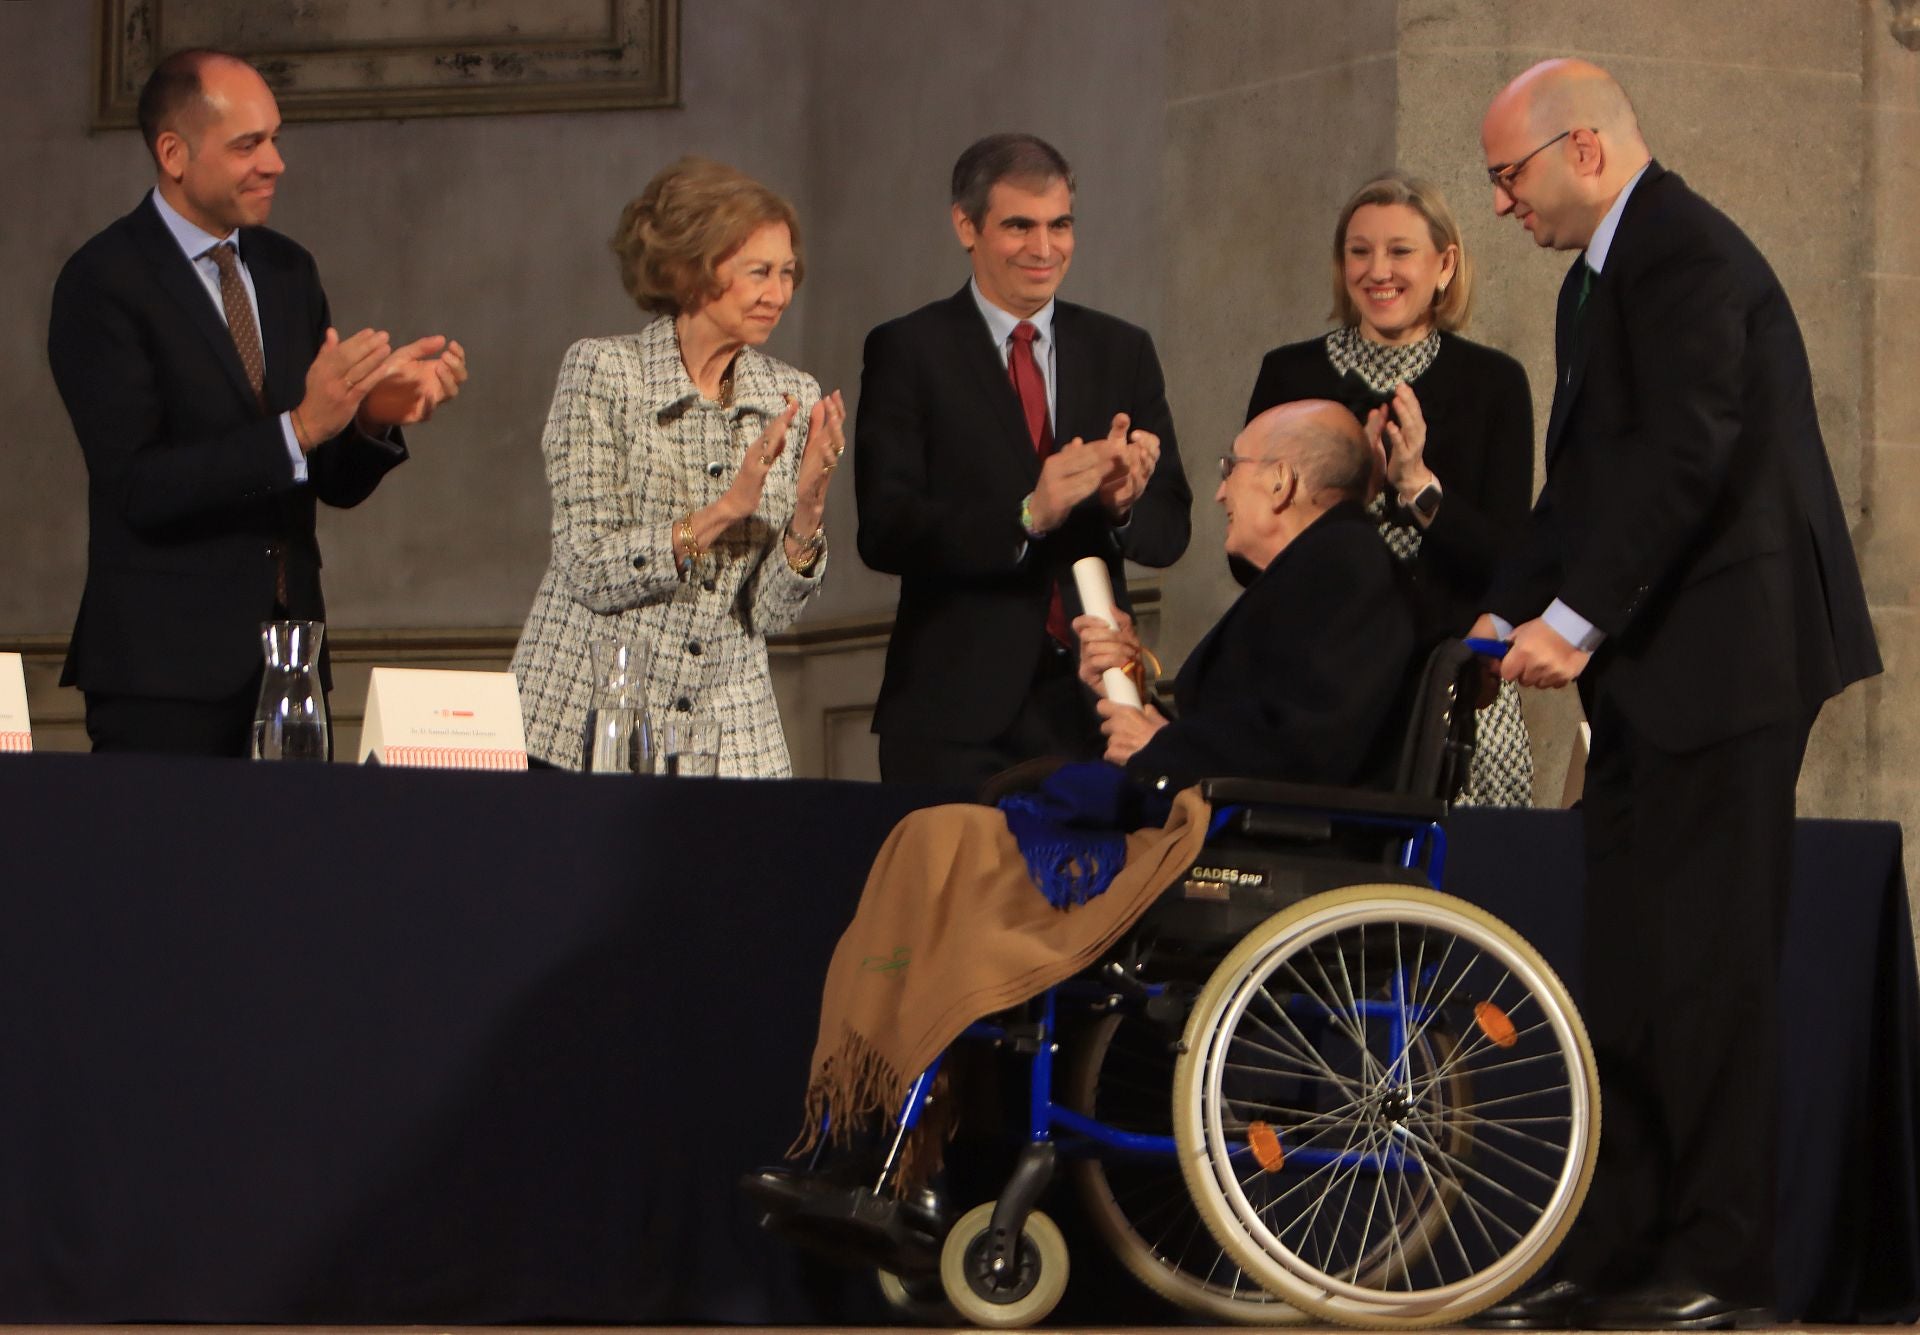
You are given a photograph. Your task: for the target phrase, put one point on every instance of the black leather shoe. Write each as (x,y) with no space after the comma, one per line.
(1674,1306)
(850,1224)
(1552,1306)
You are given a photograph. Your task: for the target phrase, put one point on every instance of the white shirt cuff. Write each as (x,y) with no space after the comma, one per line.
(1575,629)
(293,448)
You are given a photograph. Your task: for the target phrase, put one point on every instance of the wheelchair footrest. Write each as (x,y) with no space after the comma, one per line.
(851,1225)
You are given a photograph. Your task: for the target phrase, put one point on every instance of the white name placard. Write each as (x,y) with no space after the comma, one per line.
(16,733)
(443,720)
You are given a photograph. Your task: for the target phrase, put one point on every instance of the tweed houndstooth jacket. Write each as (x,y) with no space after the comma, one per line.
(631,447)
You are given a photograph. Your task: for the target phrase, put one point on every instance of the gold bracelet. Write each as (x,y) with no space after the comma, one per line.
(810,549)
(302,437)
(686,538)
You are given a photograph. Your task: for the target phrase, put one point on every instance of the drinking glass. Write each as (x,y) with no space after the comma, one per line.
(690,745)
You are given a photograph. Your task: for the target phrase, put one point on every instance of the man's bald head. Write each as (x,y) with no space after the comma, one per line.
(175,95)
(1289,466)
(1321,442)
(1561,143)
(1560,94)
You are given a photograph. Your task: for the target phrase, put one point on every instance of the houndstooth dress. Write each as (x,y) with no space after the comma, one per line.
(1502,772)
(631,446)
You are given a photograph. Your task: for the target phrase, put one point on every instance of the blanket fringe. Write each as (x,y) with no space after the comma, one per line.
(857,1094)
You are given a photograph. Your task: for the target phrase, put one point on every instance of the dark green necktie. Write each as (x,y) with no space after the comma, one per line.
(1586,286)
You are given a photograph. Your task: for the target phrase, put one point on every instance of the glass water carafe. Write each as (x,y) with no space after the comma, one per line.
(617,739)
(290,722)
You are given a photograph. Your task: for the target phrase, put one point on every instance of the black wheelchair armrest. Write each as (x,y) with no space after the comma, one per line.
(1322,798)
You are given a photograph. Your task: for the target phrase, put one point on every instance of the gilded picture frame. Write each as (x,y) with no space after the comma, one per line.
(387,59)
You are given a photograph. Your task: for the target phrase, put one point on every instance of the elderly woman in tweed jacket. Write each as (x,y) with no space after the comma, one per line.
(689,474)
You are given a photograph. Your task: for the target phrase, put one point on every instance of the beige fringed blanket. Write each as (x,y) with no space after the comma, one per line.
(949,929)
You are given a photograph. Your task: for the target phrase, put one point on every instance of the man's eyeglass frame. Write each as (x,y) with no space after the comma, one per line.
(1507,173)
(1227,461)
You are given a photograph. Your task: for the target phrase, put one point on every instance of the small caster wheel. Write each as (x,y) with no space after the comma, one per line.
(1023,1291)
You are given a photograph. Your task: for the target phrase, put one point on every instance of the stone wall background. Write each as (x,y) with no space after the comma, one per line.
(1214,141)
(1801,121)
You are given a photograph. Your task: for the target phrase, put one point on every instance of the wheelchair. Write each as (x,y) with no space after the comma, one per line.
(1306,1085)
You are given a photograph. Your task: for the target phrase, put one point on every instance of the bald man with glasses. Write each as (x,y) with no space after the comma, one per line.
(1688,566)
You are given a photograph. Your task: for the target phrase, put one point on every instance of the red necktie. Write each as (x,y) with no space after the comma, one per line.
(1033,403)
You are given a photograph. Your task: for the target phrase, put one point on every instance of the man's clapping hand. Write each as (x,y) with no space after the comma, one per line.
(1140,452)
(413,386)
(1072,473)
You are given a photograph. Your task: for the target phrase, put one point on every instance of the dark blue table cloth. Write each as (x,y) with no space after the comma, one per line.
(285,1044)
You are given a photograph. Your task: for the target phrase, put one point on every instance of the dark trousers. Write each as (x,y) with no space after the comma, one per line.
(1056,719)
(174,727)
(1688,859)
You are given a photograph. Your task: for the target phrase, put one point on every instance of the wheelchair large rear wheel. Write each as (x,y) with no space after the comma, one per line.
(1386,1108)
(1122,1075)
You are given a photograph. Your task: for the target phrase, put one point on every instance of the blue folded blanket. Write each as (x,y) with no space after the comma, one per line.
(1072,829)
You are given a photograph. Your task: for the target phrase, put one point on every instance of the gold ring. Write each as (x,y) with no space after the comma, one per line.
(766,460)
(828,468)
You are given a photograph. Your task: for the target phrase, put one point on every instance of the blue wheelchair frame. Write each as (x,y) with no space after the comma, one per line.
(1412,818)
(1423,847)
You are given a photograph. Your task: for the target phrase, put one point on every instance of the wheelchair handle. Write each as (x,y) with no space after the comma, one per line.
(1487,648)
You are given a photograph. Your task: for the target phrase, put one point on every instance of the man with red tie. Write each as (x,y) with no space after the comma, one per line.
(215,403)
(1002,435)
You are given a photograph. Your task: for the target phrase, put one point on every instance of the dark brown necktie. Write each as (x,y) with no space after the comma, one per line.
(246,342)
(1033,403)
(240,322)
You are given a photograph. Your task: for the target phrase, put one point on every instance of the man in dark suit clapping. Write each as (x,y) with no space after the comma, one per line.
(1001,436)
(1688,564)
(215,403)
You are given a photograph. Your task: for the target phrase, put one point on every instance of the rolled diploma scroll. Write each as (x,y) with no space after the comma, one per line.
(1096,598)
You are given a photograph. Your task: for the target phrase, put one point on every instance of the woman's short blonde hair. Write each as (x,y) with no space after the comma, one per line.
(1450,307)
(672,240)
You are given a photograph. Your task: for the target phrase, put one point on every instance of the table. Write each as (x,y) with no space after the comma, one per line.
(327,1045)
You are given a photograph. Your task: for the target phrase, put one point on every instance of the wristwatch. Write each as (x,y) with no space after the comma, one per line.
(1426,505)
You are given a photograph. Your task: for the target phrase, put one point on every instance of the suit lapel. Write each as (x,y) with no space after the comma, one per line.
(1575,340)
(1569,353)
(1200,658)
(979,363)
(279,340)
(1073,364)
(174,273)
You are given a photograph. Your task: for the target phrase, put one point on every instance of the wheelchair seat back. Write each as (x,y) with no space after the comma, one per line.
(1439,745)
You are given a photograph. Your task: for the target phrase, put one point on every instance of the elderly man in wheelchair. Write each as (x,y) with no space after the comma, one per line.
(1286,1077)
